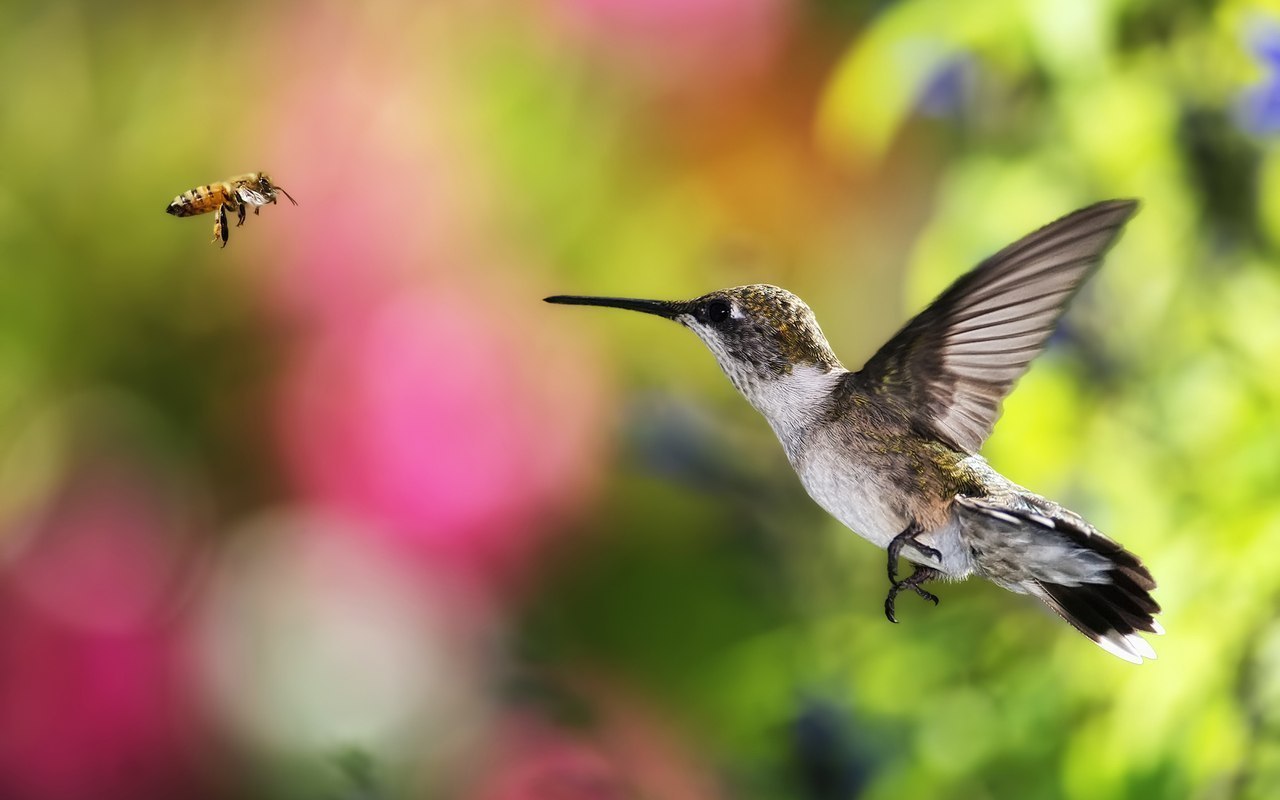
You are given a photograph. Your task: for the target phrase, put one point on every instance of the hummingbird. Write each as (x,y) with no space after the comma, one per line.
(891,451)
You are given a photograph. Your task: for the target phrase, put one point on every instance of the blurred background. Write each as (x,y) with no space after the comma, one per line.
(344,512)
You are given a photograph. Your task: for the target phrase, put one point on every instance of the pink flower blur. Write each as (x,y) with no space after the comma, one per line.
(89,715)
(448,422)
(96,706)
(106,550)
(427,394)
(628,751)
(541,763)
(700,41)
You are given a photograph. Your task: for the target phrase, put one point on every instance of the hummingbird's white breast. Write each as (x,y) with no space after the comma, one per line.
(865,500)
(851,493)
(840,478)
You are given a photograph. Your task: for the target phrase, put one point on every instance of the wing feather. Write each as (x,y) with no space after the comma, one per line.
(953,364)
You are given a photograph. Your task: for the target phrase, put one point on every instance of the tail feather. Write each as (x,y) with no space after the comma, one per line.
(1128,608)
(1111,614)
(1030,544)
(1103,614)
(1138,575)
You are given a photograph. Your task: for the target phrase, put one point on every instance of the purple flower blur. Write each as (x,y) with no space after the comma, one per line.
(947,89)
(1258,107)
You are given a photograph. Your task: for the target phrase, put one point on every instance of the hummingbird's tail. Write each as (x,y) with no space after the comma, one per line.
(1111,614)
(1033,546)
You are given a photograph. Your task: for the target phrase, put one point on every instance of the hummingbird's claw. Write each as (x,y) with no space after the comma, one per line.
(908,537)
(888,606)
(919,576)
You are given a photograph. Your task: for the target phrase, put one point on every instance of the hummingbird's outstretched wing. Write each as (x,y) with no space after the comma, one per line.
(954,363)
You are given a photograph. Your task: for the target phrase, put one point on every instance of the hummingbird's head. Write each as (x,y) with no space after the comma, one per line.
(759,334)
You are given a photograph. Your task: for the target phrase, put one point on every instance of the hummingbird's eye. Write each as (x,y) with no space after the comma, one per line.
(717,311)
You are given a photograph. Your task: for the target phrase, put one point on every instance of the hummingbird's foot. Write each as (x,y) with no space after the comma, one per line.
(918,577)
(908,537)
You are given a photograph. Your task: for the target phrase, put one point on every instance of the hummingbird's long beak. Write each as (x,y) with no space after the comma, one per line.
(663,308)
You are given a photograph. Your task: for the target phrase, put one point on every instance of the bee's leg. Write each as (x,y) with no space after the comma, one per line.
(220,228)
(239,215)
(256,210)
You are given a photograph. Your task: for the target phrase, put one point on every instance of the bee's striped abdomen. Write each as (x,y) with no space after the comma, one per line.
(199,200)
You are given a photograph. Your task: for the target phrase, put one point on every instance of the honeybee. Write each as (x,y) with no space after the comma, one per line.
(237,194)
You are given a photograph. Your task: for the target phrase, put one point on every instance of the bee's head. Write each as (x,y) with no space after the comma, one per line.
(269,188)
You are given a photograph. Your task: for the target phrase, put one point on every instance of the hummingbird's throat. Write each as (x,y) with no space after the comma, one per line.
(792,402)
(775,386)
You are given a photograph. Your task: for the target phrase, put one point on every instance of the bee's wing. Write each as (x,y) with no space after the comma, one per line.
(251,197)
(954,363)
